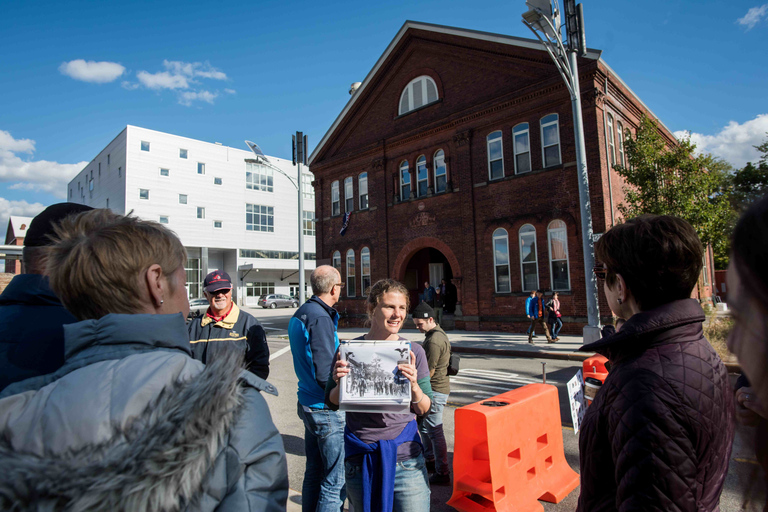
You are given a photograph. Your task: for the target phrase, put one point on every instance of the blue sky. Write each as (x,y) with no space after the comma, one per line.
(75,73)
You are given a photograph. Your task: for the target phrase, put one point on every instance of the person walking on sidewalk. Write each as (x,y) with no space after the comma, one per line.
(553,315)
(528,304)
(536,314)
(439,303)
(314,341)
(438,350)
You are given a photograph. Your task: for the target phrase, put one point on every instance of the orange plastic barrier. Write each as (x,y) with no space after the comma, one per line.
(595,367)
(508,454)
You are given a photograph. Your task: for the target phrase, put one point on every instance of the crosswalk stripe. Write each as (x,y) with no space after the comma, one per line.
(497,380)
(477,371)
(471,383)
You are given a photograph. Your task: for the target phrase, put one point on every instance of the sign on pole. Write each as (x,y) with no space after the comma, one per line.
(576,398)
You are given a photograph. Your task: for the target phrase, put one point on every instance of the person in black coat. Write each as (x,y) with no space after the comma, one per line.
(658,434)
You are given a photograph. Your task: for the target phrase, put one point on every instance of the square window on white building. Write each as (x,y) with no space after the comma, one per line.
(218,224)
(144,145)
(163,219)
(309,223)
(182,198)
(307,190)
(165,172)
(143,193)
(259,218)
(183,153)
(90,186)
(217,181)
(200,212)
(259,177)
(200,168)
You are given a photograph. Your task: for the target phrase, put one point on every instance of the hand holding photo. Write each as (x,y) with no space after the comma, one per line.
(375,376)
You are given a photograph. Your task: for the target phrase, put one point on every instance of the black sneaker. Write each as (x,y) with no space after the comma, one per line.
(430,466)
(440,479)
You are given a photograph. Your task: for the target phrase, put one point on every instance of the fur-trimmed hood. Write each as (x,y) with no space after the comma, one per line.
(73,446)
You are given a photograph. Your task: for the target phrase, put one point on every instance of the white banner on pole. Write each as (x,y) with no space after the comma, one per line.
(576,398)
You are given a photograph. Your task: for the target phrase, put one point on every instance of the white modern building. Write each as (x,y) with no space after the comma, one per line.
(230,212)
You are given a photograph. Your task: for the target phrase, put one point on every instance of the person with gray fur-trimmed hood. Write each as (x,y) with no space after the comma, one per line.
(132,421)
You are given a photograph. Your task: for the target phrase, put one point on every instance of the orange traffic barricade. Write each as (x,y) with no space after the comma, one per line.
(508,453)
(595,367)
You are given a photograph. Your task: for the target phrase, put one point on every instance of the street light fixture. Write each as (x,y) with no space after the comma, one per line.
(262,159)
(543,18)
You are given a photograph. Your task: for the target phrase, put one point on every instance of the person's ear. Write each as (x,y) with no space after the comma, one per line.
(155,282)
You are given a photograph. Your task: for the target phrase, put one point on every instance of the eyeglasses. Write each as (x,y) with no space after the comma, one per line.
(223,291)
(340,285)
(600,271)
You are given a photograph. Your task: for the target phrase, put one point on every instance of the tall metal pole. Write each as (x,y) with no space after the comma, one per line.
(302,286)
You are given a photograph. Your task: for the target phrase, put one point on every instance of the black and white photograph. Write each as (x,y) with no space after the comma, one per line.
(374,381)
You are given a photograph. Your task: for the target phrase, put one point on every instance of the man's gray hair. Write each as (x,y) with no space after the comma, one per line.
(323,278)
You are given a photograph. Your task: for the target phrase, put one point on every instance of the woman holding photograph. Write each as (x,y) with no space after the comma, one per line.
(385,468)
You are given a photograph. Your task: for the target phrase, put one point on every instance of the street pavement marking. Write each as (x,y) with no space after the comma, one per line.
(471,383)
(496,375)
(272,329)
(279,352)
(494,379)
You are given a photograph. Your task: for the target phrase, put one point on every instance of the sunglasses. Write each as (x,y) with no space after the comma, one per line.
(223,291)
(600,272)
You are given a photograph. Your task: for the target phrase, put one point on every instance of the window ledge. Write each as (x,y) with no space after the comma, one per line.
(438,100)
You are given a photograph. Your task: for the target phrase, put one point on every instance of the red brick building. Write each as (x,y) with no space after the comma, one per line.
(456,159)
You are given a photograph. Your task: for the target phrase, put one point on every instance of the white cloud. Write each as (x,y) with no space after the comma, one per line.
(20,208)
(188,97)
(230,91)
(38,175)
(162,80)
(754,16)
(734,143)
(194,69)
(91,71)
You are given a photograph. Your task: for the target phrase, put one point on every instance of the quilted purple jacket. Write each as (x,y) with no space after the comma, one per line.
(658,435)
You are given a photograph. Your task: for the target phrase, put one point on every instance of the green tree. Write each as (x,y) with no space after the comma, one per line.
(669,179)
(750,182)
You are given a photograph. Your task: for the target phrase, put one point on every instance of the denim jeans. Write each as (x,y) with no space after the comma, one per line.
(323,489)
(411,486)
(432,435)
(557,324)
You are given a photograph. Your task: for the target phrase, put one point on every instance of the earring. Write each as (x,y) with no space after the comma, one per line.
(619,299)
(161,301)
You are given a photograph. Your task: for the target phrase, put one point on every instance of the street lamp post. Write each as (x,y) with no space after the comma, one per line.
(543,18)
(262,159)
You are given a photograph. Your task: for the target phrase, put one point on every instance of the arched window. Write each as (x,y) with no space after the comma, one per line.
(558,255)
(362,190)
(501,260)
(495,156)
(350,273)
(405,181)
(365,270)
(349,195)
(336,261)
(522,145)
(611,142)
(422,176)
(441,175)
(620,137)
(419,92)
(529,266)
(550,140)
(335,204)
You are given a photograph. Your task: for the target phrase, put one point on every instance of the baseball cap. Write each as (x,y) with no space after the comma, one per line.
(423,310)
(41,228)
(217,280)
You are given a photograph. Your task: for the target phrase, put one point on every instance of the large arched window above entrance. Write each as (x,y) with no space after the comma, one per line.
(529,266)
(350,273)
(419,92)
(441,174)
(501,260)
(365,270)
(558,255)
(336,261)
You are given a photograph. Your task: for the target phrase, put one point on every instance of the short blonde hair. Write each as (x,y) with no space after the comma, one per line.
(377,291)
(98,261)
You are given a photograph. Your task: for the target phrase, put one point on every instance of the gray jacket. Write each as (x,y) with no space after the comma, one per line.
(132,422)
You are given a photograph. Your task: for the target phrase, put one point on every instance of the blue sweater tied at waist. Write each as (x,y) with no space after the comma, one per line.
(379,464)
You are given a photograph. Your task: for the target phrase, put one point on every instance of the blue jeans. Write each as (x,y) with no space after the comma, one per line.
(557,324)
(411,486)
(432,435)
(323,489)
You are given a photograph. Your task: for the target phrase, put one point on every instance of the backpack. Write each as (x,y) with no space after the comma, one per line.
(453,364)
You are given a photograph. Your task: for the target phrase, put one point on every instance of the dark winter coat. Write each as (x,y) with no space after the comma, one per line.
(132,422)
(205,336)
(658,435)
(31,329)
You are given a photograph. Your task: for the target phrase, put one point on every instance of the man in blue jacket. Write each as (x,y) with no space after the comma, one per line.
(31,316)
(535,310)
(314,340)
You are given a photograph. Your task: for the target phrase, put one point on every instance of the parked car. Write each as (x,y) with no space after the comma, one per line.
(197,307)
(276,300)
